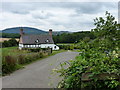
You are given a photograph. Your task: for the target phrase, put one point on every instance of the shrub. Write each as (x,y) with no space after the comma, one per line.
(9,64)
(66,47)
(71,47)
(27,58)
(10,43)
(21,59)
(34,49)
(98,65)
(12,63)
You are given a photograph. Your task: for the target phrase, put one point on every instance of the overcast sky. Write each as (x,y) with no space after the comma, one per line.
(64,16)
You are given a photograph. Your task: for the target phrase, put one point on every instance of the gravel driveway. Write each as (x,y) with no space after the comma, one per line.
(38,74)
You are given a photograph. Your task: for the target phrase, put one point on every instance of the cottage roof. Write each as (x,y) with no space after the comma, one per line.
(36,39)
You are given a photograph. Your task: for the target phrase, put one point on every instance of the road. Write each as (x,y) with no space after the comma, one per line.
(38,74)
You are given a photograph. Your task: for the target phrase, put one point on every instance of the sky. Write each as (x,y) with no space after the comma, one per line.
(59,16)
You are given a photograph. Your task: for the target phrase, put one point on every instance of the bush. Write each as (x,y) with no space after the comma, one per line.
(95,63)
(6,44)
(9,64)
(21,59)
(14,62)
(13,42)
(34,49)
(24,59)
(66,47)
(10,43)
(98,65)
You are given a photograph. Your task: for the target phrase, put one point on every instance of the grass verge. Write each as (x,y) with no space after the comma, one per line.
(19,59)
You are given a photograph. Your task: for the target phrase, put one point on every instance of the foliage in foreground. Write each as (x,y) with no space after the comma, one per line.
(93,62)
(99,59)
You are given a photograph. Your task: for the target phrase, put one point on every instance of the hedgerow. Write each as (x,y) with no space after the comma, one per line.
(13,62)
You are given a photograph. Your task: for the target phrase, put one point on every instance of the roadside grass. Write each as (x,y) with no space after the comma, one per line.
(57,51)
(12,51)
(13,59)
(53,53)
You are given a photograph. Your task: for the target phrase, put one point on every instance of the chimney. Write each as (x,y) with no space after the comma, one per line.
(21,31)
(50,32)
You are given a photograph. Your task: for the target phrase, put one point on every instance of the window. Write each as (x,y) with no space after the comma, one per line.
(37,41)
(36,45)
(47,40)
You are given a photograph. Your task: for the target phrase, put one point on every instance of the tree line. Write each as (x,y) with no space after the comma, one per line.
(73,37)
(10,35)
(60,38)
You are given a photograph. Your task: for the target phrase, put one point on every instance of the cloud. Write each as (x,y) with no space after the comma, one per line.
(40,14)
(70,16)
(83,7)
(60,0)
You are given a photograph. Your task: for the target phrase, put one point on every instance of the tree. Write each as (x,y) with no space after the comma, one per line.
(6,44)
(106,27)
(13,42)
(107,30)
(10,43)
(72,37)
(97,58)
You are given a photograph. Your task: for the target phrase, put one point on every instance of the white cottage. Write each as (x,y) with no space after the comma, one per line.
(37,41)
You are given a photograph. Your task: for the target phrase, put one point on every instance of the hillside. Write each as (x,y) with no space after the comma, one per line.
(30,30)
(27,30)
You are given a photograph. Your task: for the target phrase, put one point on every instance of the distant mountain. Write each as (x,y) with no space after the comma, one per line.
(27,30)
(30,30)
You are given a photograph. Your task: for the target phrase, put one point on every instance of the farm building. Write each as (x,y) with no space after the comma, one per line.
(37,41)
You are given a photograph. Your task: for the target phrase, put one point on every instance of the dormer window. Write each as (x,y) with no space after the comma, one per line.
(47,41)
(37,41)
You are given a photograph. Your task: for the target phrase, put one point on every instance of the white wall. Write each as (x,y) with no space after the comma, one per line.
(53,46)
(20,46)
(50,46)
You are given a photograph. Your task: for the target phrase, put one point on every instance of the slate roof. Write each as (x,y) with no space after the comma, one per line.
(36,39)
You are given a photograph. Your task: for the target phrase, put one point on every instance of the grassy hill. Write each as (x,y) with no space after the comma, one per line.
(29,30)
